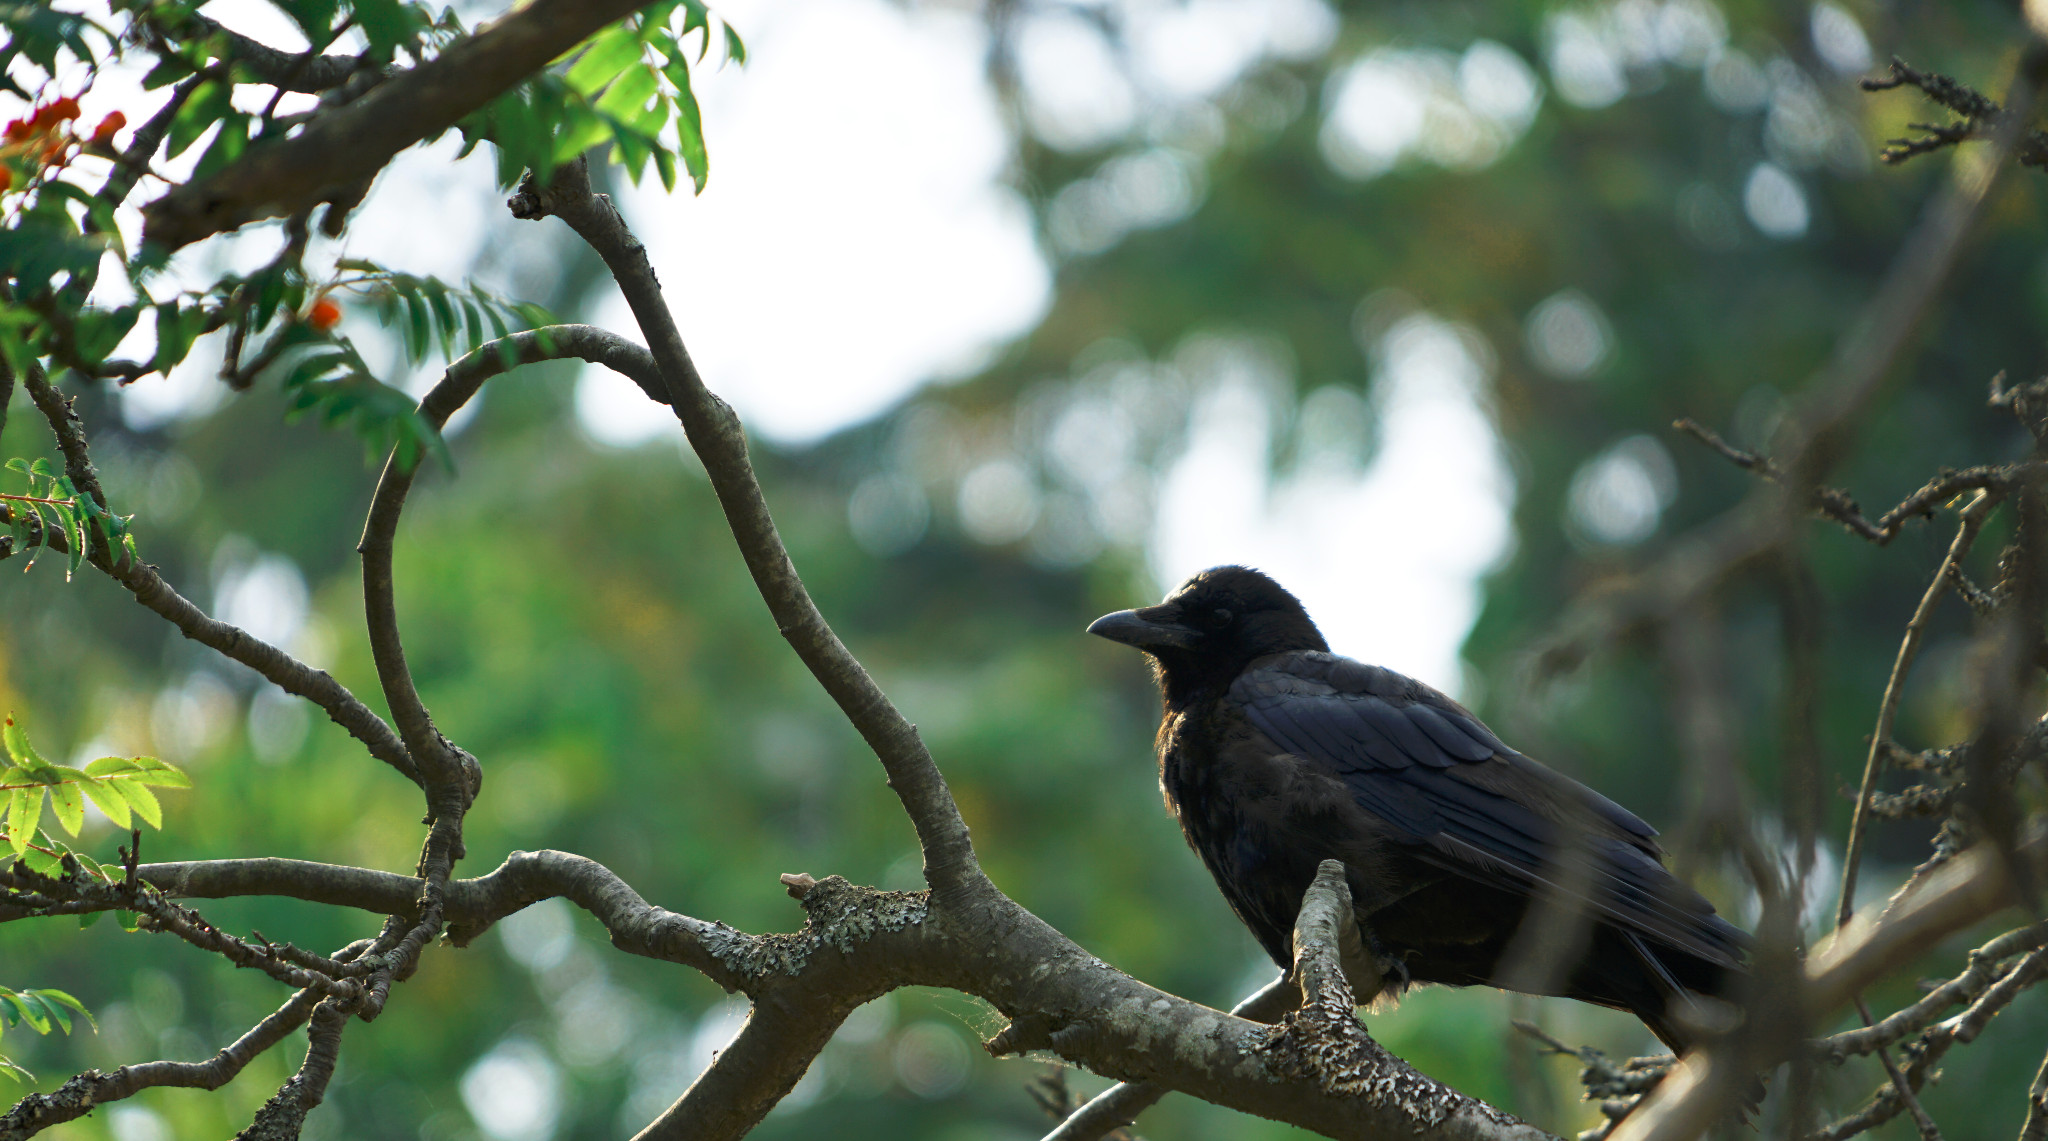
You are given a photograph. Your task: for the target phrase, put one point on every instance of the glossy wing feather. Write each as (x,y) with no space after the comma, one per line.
(1447,786)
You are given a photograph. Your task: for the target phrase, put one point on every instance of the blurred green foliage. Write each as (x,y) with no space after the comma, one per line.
(576,616)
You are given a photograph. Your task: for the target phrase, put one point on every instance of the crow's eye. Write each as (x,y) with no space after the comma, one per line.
(1219,618)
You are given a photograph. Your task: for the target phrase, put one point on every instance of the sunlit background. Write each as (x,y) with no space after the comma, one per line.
(912,273)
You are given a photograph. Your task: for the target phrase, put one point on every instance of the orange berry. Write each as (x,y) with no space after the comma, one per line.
(6,180)
(109,127)
(56,112)
(325,314)
(18,129)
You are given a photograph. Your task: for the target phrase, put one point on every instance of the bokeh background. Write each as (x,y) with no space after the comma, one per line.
(1034,308)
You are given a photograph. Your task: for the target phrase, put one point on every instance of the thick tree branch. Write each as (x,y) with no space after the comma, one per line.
(715,434)
(342,147)
(1120,1104)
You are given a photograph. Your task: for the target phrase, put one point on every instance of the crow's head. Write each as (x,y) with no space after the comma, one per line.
(1215,624)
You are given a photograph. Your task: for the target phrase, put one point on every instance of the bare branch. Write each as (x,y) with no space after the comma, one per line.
(1961,892)
(715,434)
(1837,504)
(80,1095)
(1981,117)
(759,1068)
(1974,515)
(1120,1104)
(281,1118)
(308,73)
(149,588)
(1901,1087)
(1985,966)
(2036,1126)
(1825,421)
(455,388)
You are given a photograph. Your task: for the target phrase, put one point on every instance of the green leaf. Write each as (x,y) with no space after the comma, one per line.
(176,329)
(689,125)
(92,866)
(20,1009)
(24,810)
(142,800)
(129,920)
(43,863)
(16,738)
(69,804)
(169,69)
(314,17)
(162,774)
(109,801)
(99,331)
(610,52)
(628,95)
(208,104)
(228,145)
(388,24)
(735,50)
(112,766)
(51,995)
(88,919)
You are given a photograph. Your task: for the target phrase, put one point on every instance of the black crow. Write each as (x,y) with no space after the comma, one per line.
(1276,754)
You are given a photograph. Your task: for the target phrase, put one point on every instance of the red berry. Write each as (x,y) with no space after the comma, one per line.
(55,113)
(109,127)
(6,179)
(325,314)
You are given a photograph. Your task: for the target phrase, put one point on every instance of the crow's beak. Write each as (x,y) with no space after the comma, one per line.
(1136,628)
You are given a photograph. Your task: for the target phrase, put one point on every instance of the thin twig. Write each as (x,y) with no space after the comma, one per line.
(1974,515)
(2036,1126)
(80,1095)
(1903,1089)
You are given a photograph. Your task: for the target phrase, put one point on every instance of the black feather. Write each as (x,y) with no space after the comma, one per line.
(1277,754)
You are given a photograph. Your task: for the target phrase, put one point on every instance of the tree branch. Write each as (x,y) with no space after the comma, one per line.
(281,1118)
(1974,515)
(458,384)
(80,1095)
(344,146)
(307,73)
(715,434)
(1963,891)
(1820,429)
(1985,967)
(150,589)
(1120,1104)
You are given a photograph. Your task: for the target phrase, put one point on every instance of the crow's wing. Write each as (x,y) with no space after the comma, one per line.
(1446,785)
